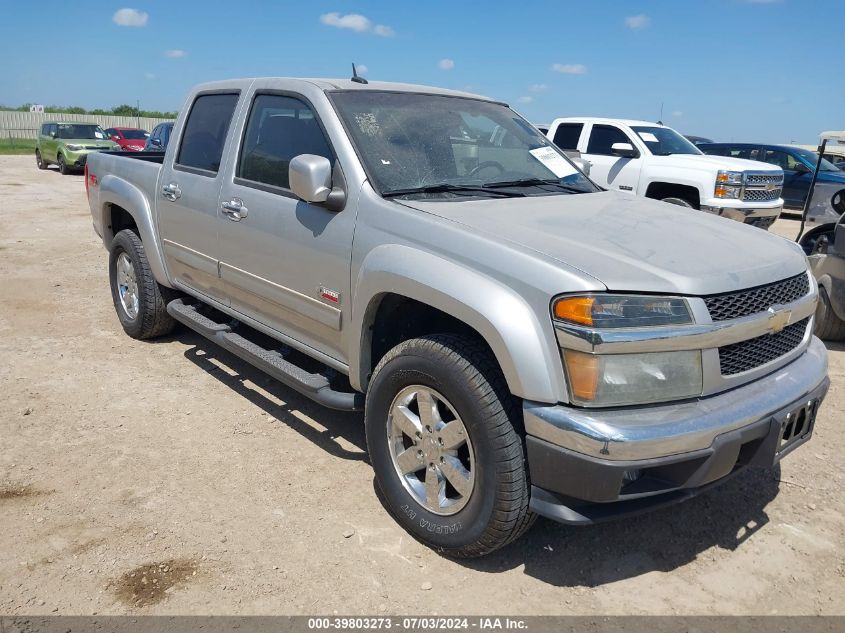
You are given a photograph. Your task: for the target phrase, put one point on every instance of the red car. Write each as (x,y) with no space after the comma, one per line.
(130,139)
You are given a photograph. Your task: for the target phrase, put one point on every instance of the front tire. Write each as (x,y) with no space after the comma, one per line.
(829,326)
(139,300)
(63,169)
(443,435)
(40,161)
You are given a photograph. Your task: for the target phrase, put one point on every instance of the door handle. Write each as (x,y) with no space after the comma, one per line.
(171,191)
(235,209)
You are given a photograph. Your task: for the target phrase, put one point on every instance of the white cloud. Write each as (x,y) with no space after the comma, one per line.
(538,87)
(149,76)
(638,22)
(677,113)
(130,17)
(356,22)
(361,68)
(526,99)
(570,69)
(175,53)
(446,64)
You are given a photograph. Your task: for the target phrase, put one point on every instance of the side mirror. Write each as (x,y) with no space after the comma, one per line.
(53,135)
(310,177)
(155,142)
(801,168)
(624,150)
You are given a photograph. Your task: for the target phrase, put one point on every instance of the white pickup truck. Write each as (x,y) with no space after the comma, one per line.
(655,161)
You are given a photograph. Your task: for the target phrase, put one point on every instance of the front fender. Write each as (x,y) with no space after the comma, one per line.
(521,338)
(117,191)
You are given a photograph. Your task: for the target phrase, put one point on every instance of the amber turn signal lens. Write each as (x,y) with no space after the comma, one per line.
(583,372)
(575,309)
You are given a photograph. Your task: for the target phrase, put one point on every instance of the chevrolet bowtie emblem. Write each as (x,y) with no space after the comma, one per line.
(771,187)
(778,319)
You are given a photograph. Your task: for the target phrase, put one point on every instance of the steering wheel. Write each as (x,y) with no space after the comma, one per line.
(485,165)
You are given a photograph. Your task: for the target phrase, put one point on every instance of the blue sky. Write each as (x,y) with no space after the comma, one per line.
(729,69)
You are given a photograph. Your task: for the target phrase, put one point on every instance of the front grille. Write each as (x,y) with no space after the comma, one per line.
(734,305)
(750,354)
(754,180)
(761,195)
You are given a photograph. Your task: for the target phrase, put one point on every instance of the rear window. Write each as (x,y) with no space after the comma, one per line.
(205,132)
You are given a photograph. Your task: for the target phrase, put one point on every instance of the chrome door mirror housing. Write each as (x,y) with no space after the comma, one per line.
(625,150)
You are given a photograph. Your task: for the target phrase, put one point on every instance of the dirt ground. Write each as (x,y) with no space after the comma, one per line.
(171,478)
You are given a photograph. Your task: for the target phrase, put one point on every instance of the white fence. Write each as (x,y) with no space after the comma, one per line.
(26,124)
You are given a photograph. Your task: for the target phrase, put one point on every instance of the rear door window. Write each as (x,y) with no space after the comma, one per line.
(567,135)
(205,132)
(602,138)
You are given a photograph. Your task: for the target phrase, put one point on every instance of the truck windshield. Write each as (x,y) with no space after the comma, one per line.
(415,144)
(81,131)
(664,141)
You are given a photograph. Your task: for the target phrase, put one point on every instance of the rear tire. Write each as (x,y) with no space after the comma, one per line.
(681,202)
(488,507)
(139,300)
(63,169)
(40,161)
(828,326)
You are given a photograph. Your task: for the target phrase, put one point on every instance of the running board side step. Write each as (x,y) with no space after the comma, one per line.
(313,386)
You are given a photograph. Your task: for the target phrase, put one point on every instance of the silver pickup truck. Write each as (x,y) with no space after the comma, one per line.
(520,341)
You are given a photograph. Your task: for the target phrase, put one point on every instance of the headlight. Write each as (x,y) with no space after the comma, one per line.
(615,311)
(74,148)
(724,177)
(628,379)
(728,184)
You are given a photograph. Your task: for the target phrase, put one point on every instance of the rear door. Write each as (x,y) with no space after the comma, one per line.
(285,262)
(608,170)
(189,189)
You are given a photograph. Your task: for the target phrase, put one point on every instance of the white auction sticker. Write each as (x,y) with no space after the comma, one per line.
(648,137)
(552,161)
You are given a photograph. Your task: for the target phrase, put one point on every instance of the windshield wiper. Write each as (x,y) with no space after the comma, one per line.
(450,188)
(533,182)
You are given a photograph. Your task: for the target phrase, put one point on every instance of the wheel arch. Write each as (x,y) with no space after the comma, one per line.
(123,205)
(392,274)
(660,189)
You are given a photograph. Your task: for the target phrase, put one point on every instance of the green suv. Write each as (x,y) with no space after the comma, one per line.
(68,144)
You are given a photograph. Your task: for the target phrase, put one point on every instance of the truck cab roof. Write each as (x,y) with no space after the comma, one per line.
(330,85)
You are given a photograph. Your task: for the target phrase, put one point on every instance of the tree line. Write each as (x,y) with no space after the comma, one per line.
(120,110)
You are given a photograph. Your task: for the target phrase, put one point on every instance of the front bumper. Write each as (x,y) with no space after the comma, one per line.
(760,216)
(589,465)
(77,159)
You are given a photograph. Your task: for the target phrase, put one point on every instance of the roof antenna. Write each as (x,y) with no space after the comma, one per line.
(356,78)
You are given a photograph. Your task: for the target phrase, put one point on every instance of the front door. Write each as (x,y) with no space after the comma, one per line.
(284,262)
(608,170)
(188,192)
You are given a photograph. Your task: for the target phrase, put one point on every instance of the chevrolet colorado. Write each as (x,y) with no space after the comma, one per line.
(520,342)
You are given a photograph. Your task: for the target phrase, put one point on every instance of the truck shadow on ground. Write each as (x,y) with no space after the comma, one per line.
(568,556)
(663,540)
(283,404)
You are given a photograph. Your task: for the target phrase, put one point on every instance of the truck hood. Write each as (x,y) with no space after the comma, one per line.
(710,161)
(631,244)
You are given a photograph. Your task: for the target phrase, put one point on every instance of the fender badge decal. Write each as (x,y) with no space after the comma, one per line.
(329,295)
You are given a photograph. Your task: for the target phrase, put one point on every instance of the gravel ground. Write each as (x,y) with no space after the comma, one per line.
(171,478)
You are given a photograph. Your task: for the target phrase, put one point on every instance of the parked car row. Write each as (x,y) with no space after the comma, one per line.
(68,144)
